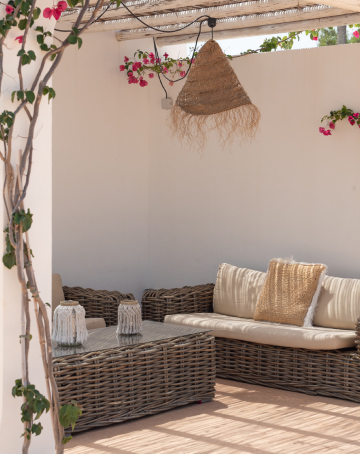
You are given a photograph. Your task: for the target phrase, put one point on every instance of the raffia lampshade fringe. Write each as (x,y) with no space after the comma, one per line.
(213,99)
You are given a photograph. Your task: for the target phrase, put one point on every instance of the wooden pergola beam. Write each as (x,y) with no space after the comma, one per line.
(325,22)
(228,23)
(152,15)
(351,5)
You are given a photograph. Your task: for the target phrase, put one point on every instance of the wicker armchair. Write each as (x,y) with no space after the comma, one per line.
(332,373)
(98,303)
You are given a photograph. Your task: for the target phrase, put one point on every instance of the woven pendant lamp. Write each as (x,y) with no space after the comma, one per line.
(213,98)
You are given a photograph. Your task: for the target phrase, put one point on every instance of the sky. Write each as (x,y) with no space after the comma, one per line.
(238,45)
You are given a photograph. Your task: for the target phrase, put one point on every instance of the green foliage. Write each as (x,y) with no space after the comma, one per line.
(6,121)
(25,220)
(74,38)
(68,414)
(327,37)
(49,91)
(35,404)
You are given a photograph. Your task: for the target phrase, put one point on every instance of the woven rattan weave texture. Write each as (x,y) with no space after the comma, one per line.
(158,303)
(117,384)
(98,303)
(331,373)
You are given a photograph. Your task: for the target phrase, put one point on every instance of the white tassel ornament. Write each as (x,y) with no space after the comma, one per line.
(129,317)
(69,326)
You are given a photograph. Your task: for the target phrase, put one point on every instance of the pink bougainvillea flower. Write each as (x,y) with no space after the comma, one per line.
(126,59)
(136,66)
(166,55)
(158,60)
(171,83)
(327,133)
(180,64)
(19,38)
(331,125)
(143,83)
(182,74)
(352,122)
(62,5)
(151,75)
(165,70)
(47,13)
(315,38)
(146,61)
(356,34)
(321,130)
(151,55)
(9,9)
(56,13)
(356,115)
(122,67)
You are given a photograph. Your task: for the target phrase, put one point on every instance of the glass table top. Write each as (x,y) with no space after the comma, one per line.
(106,338)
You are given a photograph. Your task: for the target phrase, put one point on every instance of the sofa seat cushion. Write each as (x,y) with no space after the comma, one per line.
(267,333)
(95,323)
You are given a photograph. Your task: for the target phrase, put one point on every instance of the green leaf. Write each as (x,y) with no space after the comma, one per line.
(20,95)
(45,91)
(25,6)
(52,93)
(25,60)
(44,47)
(28,219)
(22,24)
(36,429)
(9,260)
(80,41)
(19,217)
(39,29)
(118,3)
(40,39)
(32,55)
(30,96)
(72,39)
(47,304)
(36,13)
(66,439)
(13,96)
(21,52)
(75,30)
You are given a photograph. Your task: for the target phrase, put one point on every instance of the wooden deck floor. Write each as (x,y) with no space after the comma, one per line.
(242,419)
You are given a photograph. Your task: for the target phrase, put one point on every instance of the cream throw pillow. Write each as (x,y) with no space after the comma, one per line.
(290,293)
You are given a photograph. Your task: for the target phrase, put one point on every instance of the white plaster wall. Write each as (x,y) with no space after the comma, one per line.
(134,209)
(292,192)
(101,169)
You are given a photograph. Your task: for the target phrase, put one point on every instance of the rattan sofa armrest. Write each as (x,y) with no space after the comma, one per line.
(158,303)
(98,303)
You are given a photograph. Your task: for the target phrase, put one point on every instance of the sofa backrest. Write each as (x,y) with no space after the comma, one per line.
(237,290)
(57,292)
(339,303)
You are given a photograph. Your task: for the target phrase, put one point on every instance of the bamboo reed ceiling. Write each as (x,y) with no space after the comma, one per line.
(234,18)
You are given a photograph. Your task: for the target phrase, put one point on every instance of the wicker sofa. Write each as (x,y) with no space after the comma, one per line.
(256,352)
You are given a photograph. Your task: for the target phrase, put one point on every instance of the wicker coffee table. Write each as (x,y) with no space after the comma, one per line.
(116,378)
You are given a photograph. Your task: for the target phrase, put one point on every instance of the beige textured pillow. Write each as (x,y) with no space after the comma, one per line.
(290,292)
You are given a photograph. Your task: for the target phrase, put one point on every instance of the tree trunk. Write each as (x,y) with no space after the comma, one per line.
(341,34)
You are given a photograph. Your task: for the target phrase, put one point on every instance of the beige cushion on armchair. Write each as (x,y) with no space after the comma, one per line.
(58,296)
